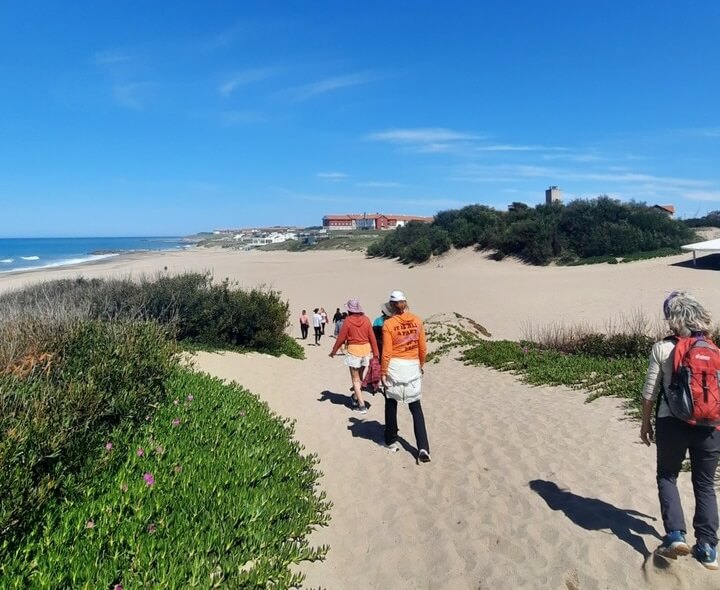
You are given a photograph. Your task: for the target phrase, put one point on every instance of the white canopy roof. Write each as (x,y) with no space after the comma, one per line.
(708,246)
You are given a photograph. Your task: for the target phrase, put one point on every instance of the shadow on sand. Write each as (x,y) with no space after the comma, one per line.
(595,515)
(373,431)
(339,399)
(707,262)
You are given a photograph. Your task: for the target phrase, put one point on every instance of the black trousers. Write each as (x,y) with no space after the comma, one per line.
(674,439)
(391,427)
(304,330)
(318,333)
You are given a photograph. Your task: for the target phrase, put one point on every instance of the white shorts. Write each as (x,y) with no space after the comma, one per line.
(355,362)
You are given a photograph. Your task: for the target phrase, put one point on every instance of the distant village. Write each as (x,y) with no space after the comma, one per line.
(250,238)
(254,237)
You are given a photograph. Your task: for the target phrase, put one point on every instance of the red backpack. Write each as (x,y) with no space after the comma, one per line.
(694,394)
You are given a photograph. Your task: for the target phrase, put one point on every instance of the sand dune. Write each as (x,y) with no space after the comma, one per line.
(529,487)
(504,296)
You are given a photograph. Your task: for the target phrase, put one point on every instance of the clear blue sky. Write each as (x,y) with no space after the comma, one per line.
(139,118)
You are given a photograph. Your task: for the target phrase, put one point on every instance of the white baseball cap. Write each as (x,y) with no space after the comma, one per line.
(397,296)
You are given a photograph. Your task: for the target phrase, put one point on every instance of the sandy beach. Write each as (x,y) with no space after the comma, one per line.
(529,487)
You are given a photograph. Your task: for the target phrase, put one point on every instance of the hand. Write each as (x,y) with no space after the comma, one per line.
(384,381)
(646,433)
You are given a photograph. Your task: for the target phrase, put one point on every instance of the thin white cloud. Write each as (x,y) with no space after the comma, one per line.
(225,39)
(243,78)
(131,95)
(574,157)
(307,91)
(433,136)
(518,148)
(633,177)
(243,117)
(704,131)
(379,184)
(482,173)
(111,57)
(710,195)
(332,176)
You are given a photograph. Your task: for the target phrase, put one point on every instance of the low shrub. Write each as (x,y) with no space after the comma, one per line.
(593,260)
(191,305)
(62,397)
(212,492)
(662,252)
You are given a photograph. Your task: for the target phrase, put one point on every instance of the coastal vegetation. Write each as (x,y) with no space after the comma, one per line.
(712,219)
(119,467)
(595,230)
(192,307)
(610,363)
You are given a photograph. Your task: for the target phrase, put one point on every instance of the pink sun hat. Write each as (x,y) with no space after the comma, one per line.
(353,306)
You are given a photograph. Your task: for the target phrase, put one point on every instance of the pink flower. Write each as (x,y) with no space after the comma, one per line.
(118,587)
(190,398)
(177,469)
(149,479)
(241,413)
(176,401)
(108,446)
(176,422)
(90,524)
(159,450)
(151,529)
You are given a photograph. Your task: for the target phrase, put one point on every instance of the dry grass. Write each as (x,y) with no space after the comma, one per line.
(561,336)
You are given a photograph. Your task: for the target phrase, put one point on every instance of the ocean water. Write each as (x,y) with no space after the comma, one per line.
(34,253)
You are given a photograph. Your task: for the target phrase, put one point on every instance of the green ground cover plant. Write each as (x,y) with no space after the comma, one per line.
(211,492)
(600,375)
(661,252)
(60,399)
(611,363)
(86,361)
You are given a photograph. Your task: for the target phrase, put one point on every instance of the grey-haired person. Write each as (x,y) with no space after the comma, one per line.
(675,437)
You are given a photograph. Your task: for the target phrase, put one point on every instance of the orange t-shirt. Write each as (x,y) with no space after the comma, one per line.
(403,338)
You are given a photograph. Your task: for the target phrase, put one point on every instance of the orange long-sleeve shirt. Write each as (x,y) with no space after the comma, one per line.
(356,329)
(404,338)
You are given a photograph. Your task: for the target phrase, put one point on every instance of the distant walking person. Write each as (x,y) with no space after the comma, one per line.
(361,347)
(337,318)
(324,316)
(403,361)
(304,324)
(685,367)
(317,325)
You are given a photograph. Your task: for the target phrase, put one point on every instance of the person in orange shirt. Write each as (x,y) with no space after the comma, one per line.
(403,360)
(361,347)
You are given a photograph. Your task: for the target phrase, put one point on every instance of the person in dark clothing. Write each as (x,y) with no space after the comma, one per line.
(304,324)
(337,318)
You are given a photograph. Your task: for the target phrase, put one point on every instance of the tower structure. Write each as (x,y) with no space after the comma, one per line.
(553,194)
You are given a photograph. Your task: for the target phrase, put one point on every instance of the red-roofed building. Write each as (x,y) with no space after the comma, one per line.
(669,209)
(376,221)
